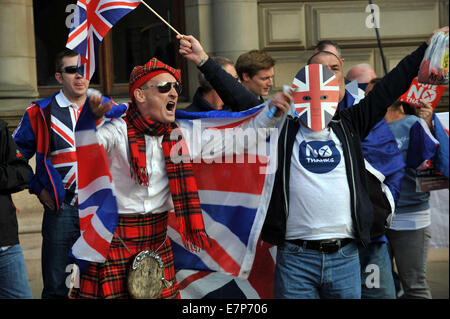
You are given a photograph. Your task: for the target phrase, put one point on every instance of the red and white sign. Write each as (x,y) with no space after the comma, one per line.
(421,91)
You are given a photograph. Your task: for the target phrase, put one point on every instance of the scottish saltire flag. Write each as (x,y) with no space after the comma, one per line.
(316,95)
(97,206)
(92,21)
(353,87)
(234,192)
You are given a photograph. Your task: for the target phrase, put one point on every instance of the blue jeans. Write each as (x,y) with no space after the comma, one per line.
(376,272)
(308,274)
(60,230)
(13,274)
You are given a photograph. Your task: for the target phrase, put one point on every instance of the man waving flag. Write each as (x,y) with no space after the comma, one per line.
(92,21)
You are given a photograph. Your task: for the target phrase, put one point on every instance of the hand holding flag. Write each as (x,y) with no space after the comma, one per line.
(93,20)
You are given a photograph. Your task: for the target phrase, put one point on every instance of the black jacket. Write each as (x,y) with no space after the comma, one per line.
(233,94)
(199,104)
(351,126)
(14,173)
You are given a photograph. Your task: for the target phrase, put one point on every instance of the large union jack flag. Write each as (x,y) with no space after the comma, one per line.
(234,193)
(97,206)
(316,95)
(234,197)
(92,21)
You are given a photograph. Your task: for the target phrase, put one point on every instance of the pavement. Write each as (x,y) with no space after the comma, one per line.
(30,221)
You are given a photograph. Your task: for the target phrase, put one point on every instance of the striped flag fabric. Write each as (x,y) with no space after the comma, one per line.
(203,284)
(234,197)
(97,206)
(92,21)
(234,192)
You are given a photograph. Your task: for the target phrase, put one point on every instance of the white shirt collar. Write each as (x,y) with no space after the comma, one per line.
(62,100)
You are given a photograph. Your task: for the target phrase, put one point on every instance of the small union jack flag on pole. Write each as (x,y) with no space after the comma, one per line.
(92,21)
(316,95)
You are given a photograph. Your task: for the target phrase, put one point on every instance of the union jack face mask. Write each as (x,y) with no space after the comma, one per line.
(316,96)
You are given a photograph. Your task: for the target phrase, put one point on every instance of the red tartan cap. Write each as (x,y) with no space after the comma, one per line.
(142,73)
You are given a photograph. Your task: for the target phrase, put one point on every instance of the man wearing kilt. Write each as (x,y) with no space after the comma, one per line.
(147,183)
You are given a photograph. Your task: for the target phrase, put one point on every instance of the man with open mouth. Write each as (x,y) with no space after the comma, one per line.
(148,183)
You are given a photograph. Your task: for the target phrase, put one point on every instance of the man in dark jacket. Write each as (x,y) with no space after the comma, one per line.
(14,172)
(296,250)
(206,98)
(312,261)
(233,93)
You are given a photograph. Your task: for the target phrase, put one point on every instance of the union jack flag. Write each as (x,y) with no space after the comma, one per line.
(234,198)
(316,95)
(92,21)
(97,206)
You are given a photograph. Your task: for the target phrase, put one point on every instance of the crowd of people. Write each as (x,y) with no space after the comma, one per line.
(325,243)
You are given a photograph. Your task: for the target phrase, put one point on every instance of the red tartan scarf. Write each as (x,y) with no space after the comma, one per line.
(183,186)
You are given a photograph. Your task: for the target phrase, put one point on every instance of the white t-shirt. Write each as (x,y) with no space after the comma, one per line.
(319,195)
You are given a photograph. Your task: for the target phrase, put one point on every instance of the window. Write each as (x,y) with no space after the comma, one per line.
(135,39)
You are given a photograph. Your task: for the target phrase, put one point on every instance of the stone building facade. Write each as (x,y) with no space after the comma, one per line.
(287,29)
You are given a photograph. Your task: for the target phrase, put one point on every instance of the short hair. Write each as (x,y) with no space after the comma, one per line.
(252,62)
(408,109)
(321,45)
(322,53)
(61,55)
(204,84)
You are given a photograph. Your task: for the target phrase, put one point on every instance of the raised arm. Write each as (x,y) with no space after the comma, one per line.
(231,91)
(373,107)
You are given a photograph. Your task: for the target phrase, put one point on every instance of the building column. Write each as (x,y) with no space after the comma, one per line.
(224,27)
(235,25)
(18,79)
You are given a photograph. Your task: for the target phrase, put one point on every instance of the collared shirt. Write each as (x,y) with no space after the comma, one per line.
(155,198)
(133,198)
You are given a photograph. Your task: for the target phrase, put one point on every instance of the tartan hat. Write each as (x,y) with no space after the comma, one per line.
(142,73)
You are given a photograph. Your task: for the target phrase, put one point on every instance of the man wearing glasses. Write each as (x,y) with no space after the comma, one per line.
(47,131)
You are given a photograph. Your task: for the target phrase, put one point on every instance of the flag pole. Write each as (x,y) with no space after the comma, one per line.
(156,14)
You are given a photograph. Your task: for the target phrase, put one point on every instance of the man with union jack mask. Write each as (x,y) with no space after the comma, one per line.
(320,207)
(46,131)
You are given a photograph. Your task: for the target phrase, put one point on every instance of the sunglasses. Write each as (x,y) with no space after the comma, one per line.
(164,87)
(72,69)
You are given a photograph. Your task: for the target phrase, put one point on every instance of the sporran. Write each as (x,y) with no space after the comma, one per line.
(145,278)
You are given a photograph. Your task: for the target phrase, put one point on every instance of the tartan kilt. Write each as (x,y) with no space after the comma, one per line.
(109,279)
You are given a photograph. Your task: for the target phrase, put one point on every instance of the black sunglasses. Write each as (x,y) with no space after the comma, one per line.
(72,69)
(164,87)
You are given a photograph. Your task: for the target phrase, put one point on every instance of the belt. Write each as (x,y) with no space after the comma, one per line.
(326,246)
